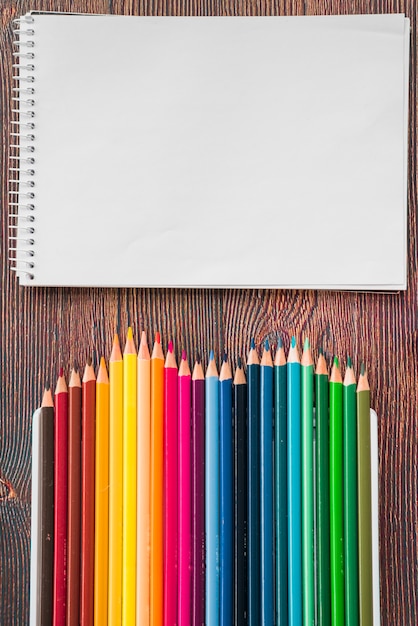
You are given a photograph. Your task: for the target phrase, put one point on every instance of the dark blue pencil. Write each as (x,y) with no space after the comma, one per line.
(226,495)
(253,440)
(267,492)
(280,411)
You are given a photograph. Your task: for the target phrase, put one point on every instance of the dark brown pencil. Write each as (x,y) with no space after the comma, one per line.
(74,499)
(87,495)
(46,451)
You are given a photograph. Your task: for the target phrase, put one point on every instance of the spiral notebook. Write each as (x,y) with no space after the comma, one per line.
(211,151)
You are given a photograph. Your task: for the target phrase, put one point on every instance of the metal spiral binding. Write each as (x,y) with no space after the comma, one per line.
(22,159)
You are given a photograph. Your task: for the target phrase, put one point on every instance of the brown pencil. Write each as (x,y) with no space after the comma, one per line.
(46,508)
(87,494)
(74,500)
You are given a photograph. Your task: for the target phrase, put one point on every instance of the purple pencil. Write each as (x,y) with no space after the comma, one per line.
(198,494)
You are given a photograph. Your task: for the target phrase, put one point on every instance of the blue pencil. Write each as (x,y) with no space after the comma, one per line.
(294,489)
(253,519)
(280,410)
(226,495)
(212,492)
(267,493)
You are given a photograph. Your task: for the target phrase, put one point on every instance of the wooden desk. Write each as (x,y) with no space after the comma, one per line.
(42,329)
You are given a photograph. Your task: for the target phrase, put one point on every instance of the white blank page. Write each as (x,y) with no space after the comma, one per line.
(221,151)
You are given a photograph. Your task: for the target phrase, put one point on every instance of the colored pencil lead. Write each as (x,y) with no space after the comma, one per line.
(211,355)
(89,361)
(170,346)
(280,342)
(198,358)
(336,362)
(239,362)
(130,333)
(349,363)
(252,345)
(184,355)
(157,337)
(225,357)
(61,372)
(293,342)
(320,350)
(362,369)
(306,344)
(267,345)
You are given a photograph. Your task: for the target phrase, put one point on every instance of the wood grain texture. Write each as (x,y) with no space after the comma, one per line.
(44,328)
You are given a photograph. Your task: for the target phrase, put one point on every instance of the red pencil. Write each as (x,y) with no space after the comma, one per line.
(87,495)
(74,499)
(60,502)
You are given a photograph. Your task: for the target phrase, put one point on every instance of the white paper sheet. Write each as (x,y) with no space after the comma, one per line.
(221,151)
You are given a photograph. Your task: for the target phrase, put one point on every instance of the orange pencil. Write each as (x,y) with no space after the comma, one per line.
(157,473)
(143,483)
(87,495)
(101,546)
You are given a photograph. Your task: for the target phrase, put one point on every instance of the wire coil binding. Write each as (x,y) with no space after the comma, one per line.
(22,162)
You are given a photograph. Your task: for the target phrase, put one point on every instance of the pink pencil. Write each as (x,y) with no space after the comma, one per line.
(185,491)
(60,502)
(170,488)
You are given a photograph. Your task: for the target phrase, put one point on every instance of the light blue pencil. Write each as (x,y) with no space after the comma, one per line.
(212,492)
(294,487)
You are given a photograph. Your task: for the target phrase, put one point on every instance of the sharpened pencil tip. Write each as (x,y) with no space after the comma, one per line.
(157,337)
(211,355)
(170,346)
(266,345)
(280,342)
(47,386)
(336,362)
(225,357)
(306,344)
(239,362)
(321,350)
(362,369)
(89,361)
(349,363)
(130,333)
(198,358)
(252,345)
(75,368)
(293,342)
(61,372)
(184,355)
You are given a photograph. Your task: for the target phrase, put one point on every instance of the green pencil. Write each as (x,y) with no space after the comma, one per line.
(308,570)
(336,494)
(323,589)
(364,501)
(350,496)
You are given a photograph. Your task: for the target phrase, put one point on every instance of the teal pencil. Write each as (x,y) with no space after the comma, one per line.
(308,569)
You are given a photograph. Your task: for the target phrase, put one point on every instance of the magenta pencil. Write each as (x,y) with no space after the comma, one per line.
(198,497)
(185,493)
(170,488)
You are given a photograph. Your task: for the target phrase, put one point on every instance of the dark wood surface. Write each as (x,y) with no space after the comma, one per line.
(43,328)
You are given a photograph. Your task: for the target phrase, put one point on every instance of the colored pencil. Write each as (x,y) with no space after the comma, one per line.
(87,495)
(308,568)
(280,411)
(374,453)
(365,550)
(157,483)
(267,489)
(198,497)
(294,489)
(60,502)
(129,482)
(115,482)
(143,482)
(350,496)
(323,571)
(240,467)
(74,499)
(336,494)
(212,492)
(226,490)
(35,565)
(185,493)
(253,440)
(46,506)
(170,488)
(101,536)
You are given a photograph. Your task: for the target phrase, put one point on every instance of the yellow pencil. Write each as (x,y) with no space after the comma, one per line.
(157,486)
(129,482)
(101,535)
(143,483)
(115,482)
